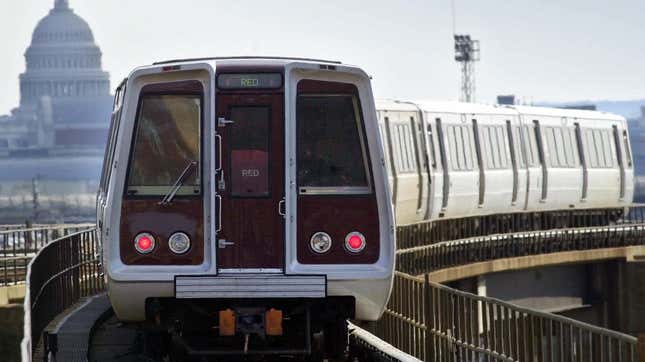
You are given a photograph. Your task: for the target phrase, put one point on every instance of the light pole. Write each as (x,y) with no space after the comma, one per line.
(467,53)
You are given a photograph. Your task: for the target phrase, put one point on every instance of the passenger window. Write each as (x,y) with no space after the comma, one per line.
(468,151)
(628,151)
(167,141)
(400,147)
(592,149)
(412,156)
(519,150)
(331,149)
(110,147)
(433,158)
(570,146)
(386,148)
(610,149)
(249,145)
(531,146)
(502,145)
(460,145)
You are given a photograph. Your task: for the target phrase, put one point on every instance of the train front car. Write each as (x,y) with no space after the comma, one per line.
(246,205)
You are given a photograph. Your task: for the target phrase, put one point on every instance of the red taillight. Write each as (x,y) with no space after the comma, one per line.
(355,242)
(144,243)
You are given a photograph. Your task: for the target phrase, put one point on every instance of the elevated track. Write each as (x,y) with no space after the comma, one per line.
(424,320)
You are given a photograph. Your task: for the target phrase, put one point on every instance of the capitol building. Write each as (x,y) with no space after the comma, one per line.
(65,100)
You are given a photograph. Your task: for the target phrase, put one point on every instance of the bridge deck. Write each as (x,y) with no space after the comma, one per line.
(73,330)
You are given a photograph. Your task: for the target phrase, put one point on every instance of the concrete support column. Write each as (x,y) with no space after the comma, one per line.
(481,291)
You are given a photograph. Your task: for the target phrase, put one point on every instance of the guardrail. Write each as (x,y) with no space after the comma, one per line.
(19,245)
(437,323)
(62,272)
(425,259)
(435,231)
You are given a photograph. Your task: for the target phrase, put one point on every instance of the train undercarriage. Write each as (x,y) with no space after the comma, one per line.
(250,329)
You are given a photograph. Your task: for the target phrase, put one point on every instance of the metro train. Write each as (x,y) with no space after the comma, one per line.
(244,206)
(453,160)
(247,205)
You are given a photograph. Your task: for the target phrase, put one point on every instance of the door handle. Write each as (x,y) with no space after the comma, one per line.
(281,206)
(218,227)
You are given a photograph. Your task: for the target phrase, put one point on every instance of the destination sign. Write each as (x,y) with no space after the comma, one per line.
(249,81)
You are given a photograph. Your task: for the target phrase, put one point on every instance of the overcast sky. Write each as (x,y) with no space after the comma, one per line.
(544,50)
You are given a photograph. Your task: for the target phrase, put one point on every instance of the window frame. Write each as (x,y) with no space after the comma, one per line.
(179,195)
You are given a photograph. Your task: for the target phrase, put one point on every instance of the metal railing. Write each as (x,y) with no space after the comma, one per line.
(434,256)
(442,255)
(435,231)
(18,245)
(62,272)
(437,323)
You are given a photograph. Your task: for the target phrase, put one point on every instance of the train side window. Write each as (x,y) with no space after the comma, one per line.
(610,147)
(460,147)
(519,150)
(110,146)
(531,146)
(502,143)
(249,151)
(331,149)
(570,146)
(454,146)
(433,157)
(551,145)
(400,148)
(592,148)
(412,155)
(386,148)
(628,151)
(488,149)
(167,141)
(408,147)
(468,147)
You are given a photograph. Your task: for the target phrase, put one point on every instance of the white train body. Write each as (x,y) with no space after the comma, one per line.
(451,160)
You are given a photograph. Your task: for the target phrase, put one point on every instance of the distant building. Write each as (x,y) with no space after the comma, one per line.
(65,100)
(582,107)
(508,100)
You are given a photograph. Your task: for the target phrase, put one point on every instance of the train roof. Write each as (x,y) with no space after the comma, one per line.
(569,113)
(271,59)
(479,108)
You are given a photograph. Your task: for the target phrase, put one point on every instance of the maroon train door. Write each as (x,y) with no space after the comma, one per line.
(250,184)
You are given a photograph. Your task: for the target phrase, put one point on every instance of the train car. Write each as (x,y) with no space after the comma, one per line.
(244,206)
(453,160)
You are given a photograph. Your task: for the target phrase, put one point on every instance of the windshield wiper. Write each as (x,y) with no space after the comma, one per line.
(180,181)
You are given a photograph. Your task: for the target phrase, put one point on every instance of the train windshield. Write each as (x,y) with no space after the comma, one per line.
(167,139)
(331,152)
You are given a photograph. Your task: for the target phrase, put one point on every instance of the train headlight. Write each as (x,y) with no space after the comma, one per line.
(320,242)
(179,243)
(144,243)
(355,242)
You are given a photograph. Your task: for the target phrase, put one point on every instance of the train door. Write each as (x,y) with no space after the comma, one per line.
(435,176)
(461,166)
(407,189)
(534,170)
(565,172)
(496,167)
(422,165)
(602,166)
(250,180)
